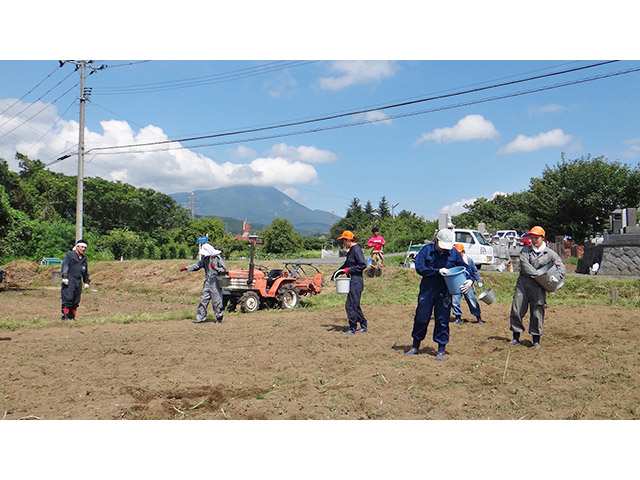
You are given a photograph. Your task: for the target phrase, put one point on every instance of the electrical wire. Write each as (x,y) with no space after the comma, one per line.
(38,99)
(39,111)
(357,112)
(363,122)
(199,81)
(36,86)
(60,117)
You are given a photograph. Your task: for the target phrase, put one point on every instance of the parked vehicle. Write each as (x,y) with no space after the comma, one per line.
(525,240)
(475,245)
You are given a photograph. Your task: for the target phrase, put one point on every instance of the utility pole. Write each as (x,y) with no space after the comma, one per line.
(81,65)
(393,227)
(80,179)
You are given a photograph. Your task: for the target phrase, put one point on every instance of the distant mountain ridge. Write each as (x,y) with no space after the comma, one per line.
(257,205)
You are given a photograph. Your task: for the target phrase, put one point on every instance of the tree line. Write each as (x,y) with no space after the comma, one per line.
(37,214)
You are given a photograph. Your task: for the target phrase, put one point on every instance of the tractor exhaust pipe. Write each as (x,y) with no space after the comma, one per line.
(253,239)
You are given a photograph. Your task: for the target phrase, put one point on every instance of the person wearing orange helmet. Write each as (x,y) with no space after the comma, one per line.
(470,295)
(529,295)
(353,266)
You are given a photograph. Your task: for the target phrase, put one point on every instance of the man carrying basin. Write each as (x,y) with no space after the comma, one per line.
(433,262)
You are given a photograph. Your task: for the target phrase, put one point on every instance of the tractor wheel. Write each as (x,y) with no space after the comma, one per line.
(229,303)
(249,302)
(288,296)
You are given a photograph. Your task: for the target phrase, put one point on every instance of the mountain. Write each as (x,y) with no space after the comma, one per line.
(257,205)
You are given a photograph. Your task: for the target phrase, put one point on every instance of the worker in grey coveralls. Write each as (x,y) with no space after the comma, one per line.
(528,293)
(213,266)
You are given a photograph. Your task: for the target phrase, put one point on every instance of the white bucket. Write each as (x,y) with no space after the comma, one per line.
(487,296)
(342,285)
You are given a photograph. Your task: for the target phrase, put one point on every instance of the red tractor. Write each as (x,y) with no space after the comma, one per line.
(258,286)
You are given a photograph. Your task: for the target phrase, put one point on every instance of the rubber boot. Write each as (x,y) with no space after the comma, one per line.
(441,352)
(65,314)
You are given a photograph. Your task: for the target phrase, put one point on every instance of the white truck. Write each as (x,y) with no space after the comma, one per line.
(476,246)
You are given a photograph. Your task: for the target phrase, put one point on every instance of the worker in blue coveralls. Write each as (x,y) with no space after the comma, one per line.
(432,261)
(470,296)
(353,266)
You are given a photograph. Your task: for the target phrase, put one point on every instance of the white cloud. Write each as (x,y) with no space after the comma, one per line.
(633,150)
(282,85)
(471,127)
(552,108)
(456,208)
(167,171)
(303,153)
(376,117)
(243,152)
(522,143)
(357,72)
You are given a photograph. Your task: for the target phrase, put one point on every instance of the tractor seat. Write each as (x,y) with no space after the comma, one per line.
(273,274)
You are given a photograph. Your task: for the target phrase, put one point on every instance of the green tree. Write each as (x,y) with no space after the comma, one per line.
(576,197)
(368,209)
(509,211)
(279,237)
(193,228)
(122,243)
(16,230)
(383,208)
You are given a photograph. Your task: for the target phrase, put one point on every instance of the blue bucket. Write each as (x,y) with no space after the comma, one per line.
(455,279)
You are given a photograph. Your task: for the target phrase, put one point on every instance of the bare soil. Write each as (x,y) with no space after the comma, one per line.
(295,364)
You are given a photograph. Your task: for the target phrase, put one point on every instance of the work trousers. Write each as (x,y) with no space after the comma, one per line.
(472,302)
(528,295)
(70,294)
(352,305)
(210,293)
(438,302)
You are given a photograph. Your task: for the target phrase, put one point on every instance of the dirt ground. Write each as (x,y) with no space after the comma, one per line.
(295,364)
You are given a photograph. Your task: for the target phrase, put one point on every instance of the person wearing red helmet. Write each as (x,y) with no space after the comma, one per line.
(529,295)
(353,266)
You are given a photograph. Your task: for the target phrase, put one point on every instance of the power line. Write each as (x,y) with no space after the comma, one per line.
(36,86)
(363,122)
(38,112)
(357,112)
(39,98)
(51,127)
(198,81)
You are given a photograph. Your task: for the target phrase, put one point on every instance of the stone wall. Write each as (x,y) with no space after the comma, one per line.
(620,260)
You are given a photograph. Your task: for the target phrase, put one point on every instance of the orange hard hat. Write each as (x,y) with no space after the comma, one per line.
(537,231)
(346,235)
(459,247)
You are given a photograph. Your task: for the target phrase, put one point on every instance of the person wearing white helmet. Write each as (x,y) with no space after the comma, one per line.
(213,266)
(74,273)
(432,261)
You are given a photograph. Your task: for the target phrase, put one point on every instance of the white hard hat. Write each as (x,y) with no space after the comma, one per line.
(445,239)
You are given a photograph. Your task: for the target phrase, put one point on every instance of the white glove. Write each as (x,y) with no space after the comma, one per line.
(86,285)
(444,271)
(480,284)
(464,288)
(65,281)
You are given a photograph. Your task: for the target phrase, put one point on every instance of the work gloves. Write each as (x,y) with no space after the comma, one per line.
(464,288)
(480,284)
(182,269)
(65,281)
(444,271)
(86,285)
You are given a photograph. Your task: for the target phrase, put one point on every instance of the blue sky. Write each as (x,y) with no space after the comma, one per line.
(428,157)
